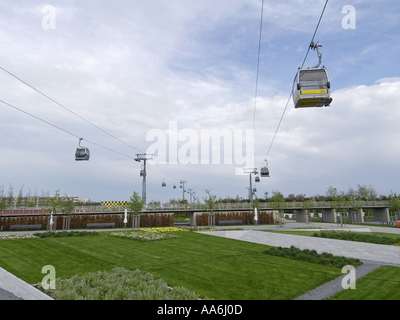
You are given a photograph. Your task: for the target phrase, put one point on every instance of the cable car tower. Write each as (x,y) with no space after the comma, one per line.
(311,87)
(143,172)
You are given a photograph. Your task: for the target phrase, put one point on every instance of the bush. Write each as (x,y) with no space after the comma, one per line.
(313,257)
(117,284)
(66,234)
(356,236)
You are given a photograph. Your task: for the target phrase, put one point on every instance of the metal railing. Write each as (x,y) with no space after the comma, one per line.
(198,206)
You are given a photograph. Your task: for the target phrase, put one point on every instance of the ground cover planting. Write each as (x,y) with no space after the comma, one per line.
(213,267)
(117,284)
(358,236)
(313,257)
(65,234)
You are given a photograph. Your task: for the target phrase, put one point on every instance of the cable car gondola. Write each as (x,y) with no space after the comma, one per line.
(164,184)
(82,153)
(265,170)
(311,87)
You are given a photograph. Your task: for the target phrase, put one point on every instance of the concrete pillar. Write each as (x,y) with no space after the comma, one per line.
(329,215)
(301,216)
(381,214)
(356,216)
(193,222)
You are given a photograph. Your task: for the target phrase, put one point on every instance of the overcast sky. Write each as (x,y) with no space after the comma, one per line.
(131,68)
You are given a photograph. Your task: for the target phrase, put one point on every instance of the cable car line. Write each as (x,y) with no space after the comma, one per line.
(59,128)
(258,64)
(74,113)
(81,156)
(291,94)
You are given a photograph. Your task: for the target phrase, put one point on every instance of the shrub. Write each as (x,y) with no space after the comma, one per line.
(118,284)
(313,257)
(356,236)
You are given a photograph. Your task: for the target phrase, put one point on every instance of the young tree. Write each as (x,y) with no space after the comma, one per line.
(135,205)
(54,203)
(10,199)
(331,193)
(277,200)
(211,202)
(67,205)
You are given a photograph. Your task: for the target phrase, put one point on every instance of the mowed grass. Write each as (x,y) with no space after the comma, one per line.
(214,267)
(381,284)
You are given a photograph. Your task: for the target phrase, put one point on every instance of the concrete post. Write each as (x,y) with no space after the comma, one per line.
(381,214)
(329,215)
(193,222)
(301,216)
(356,216)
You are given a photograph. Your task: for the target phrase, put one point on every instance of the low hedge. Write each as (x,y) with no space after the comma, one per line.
(357,236)
(313,256)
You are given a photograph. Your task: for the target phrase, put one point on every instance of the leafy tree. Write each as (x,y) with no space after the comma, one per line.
(54,202)
(67,205)
(331,193)
(211,202)
(136,203)
(394,202)
(277,200)
(10,199)
(3,204)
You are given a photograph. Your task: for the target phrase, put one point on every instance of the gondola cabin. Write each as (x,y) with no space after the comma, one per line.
(311,88)
(82,154)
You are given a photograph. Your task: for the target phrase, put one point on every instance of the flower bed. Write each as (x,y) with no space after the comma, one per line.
(164,230)
(142,236)
(18,237)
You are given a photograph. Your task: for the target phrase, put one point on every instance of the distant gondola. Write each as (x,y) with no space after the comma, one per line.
(82,153)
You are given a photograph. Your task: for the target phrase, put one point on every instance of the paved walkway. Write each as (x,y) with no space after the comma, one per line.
(13,288)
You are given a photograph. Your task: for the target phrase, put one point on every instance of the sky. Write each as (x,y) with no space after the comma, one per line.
(129,77)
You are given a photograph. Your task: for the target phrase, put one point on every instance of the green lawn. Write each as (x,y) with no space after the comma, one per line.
(380,284)
(215,267)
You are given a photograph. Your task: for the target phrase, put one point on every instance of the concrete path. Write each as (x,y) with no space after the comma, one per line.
(13,288)
(351,249)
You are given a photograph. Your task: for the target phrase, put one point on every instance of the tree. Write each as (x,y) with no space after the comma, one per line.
(135,205)
(3,205)
(54,202)
(10,199)
(366,193)
(67,205)
(211,202)
(331,193)
(394,202)
(277,200)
